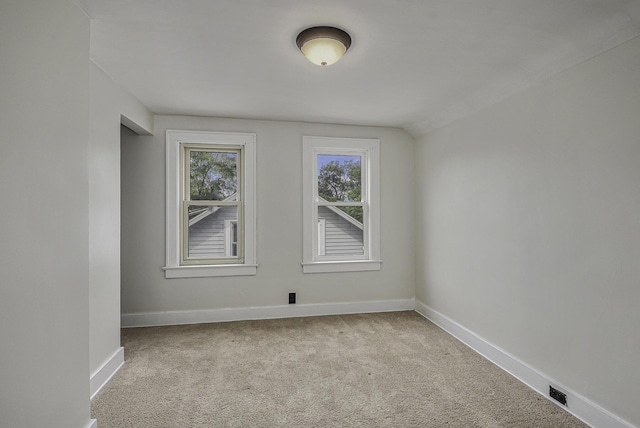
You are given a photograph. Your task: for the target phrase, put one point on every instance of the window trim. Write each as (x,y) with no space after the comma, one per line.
(174,204)
(369,149)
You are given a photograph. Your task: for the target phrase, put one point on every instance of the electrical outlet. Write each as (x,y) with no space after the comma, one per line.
(560,397)
(292,298)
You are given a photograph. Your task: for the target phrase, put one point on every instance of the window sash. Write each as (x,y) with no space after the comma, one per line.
(185,154)
(364,160)
(186,260)
(185,189)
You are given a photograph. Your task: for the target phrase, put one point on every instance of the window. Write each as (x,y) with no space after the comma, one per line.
(210,204)
(341,205)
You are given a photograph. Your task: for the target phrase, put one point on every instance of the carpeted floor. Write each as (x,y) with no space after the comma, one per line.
(371,370)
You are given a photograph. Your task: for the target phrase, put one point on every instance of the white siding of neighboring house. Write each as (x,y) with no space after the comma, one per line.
(207,237)
(341,236)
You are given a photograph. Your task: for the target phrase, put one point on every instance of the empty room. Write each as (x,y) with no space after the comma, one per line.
(355,213)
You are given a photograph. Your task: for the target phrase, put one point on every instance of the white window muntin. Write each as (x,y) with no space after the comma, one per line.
(313,262)
(174,206)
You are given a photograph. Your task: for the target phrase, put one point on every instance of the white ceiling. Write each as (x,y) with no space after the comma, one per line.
(414,64)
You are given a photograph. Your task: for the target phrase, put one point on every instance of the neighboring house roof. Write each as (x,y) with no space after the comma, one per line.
(207,211)
(342,214)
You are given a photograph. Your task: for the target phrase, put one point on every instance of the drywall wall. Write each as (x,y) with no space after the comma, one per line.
(279,217)
(44,234)
(528,234)
(109,106)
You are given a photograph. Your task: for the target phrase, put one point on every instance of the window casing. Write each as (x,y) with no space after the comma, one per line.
(211,221)
(341,217)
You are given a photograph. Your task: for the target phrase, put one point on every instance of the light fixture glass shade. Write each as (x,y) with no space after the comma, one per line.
(323,45)
(323,51)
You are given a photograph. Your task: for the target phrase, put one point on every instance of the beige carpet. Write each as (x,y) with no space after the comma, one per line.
(372,370)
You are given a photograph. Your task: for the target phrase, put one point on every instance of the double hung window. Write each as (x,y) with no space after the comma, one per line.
(341,205)
(210,204)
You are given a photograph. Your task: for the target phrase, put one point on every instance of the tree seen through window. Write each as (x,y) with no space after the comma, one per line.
(213,176)
(340,180)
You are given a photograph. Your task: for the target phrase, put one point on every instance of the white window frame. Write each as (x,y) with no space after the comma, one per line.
(245,142)
(369,150)
(236,201)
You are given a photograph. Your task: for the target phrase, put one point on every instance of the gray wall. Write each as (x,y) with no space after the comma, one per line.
(279,194)
(109,106)
(528,227)
(44,123)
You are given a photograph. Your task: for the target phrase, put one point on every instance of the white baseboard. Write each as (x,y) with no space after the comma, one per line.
(93,424)
(106,372)
(579,406)
(148,319)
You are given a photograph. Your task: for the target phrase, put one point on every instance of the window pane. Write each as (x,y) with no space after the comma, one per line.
(353,212)
(340,178)
(213,176)
(343,234)
(211,232)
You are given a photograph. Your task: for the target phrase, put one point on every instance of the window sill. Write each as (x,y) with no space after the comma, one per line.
(342,266)
(208,271)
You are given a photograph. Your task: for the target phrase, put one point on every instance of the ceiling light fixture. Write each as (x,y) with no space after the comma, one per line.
(323,45)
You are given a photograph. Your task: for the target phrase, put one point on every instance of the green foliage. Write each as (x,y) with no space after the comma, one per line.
(355,212)
(213,175)
(342,181)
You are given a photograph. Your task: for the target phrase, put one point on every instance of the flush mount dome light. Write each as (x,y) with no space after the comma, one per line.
(323,45)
